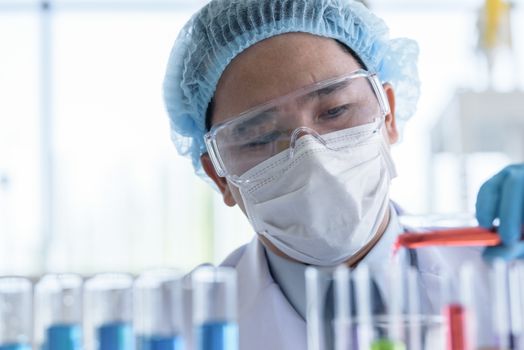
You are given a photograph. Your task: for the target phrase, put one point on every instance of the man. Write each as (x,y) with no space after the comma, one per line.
(299,102)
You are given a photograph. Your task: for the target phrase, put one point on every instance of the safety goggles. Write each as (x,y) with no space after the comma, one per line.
(247,140)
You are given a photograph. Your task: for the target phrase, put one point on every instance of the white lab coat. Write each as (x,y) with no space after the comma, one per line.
(268,321)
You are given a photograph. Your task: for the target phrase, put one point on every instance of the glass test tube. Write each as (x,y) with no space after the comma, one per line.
(108,312)
(516,289)
(381,313)
(469,300)
(15,313)
(58,312)
(314,321)
(214,308)
(364,321)
(343,329)
(158,310)
(394,339)
(501,307)
(414,319)
(455,316)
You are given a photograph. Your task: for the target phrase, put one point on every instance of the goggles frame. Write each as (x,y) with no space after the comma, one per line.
(210,136)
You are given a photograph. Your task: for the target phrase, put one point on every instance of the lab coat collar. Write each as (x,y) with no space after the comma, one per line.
(380,255)
(253,271)
(260,300)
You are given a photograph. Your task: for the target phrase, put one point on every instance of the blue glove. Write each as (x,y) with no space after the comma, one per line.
(502,197)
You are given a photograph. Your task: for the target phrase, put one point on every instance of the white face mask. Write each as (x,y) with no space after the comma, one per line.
(325,203)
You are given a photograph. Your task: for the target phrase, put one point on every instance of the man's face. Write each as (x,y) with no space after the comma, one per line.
(270,69)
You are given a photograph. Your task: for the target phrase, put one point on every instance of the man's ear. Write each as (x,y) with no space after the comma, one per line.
(390,122)
(221,182)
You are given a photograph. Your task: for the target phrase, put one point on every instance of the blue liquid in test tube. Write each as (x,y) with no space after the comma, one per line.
(58,311)
(15,347)
(158,306)
(64,337)
(217,336)
(16,312)
(115,336)
(215,309)
(160,343)
(108,309)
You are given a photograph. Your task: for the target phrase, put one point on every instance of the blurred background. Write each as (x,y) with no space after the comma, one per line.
(89,179)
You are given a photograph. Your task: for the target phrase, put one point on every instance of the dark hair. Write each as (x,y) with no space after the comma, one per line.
(209,113)
(352,53)
(211,104)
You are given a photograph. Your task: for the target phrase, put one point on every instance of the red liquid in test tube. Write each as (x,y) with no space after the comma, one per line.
(466,236)
(456,335)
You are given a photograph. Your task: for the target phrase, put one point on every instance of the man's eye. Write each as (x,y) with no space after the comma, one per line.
(334,112)
(262,141)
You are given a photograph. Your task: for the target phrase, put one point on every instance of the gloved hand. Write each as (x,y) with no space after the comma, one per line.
(502,197)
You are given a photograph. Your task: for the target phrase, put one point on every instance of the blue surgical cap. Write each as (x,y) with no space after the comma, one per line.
(222,29)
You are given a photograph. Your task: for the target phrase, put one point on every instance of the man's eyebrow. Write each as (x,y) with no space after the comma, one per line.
(254,120)
(261,117)
(326,90)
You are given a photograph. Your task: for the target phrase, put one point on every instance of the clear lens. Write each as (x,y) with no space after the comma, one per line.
(261,133)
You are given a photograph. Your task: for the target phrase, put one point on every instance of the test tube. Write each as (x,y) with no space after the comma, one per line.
(387,316)
(158,310)
(58,316)
(451,237)
(314,321)
(343,309)
(455,315)
(108,312)
(501,307)
(364,321)
(516,288)
(468,286)
(414,311)
(15,313)
(395,300)
(214,308)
